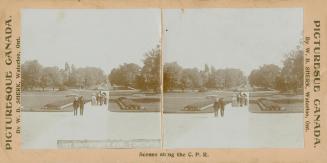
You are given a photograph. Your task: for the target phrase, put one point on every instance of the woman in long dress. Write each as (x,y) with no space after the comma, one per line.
(93,100)
(81,105)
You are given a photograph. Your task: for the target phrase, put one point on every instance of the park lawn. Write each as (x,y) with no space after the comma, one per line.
(289,103)
(175,102)
(35,100)
(150,103)
(148,107)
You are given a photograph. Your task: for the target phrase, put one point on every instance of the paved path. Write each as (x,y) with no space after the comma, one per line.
(237,129)
(43,129)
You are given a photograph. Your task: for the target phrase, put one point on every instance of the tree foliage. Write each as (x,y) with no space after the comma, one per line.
(151,70)
(126,75)
(289,77)
(175,77)
(31,74)
(144,78)
(34,75)
(265,76)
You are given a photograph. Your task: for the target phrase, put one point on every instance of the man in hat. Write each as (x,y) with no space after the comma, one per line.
(75,105)
(221,106)
(81,104)
(216,107)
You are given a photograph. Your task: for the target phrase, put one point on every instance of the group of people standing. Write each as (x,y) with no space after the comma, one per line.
(241,99)
(99,99)
(78,103)
(219,105)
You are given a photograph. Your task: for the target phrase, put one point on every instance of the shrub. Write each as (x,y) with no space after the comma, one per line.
(62,88)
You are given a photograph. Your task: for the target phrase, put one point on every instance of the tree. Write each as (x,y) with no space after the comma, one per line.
(126,74)
(233,78)
(151,69)
(206,76)
(255,78)
(219,78)
(90,76)
(211,83)
(171,75)
(31,74)
(192,78)
(280,83)
(185,81)
(66,75)
(36,76)
(52,76)
(140,82)
(265,76)
(292,71)
(45,80)
(67,67)
(73,77)
(145,78)
(287,78)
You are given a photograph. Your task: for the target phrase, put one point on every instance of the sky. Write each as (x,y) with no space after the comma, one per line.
(231,38)
(103,38)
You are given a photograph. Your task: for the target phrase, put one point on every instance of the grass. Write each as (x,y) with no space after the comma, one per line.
(36,100)
(272,102)
(176,102)
(197,106)
(126,103)
(172,102)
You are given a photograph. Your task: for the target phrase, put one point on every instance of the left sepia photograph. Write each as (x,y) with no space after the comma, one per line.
(91,78)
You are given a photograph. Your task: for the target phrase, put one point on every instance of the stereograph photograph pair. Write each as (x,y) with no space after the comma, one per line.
(162,78)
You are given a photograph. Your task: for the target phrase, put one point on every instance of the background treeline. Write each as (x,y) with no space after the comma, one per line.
(175,77)
(178,78)
(35,76)
(145,78)
(288,78)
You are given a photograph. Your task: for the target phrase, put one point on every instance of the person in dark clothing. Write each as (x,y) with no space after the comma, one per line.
(245,99)
(81,105)
(221,106)
(101,99)
(216,107)
(75,105)
(238,99)
(104,98)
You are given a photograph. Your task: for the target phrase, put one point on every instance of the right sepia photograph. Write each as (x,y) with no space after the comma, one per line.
(233,78)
